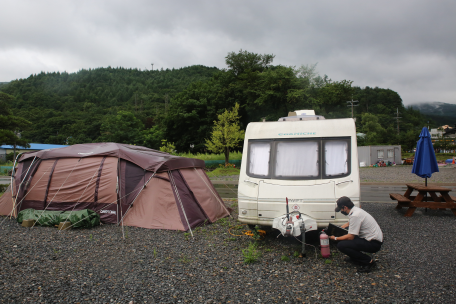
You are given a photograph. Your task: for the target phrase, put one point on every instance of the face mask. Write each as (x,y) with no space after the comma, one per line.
(344,213)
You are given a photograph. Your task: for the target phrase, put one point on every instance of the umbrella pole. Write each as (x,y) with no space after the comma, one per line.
(425,196)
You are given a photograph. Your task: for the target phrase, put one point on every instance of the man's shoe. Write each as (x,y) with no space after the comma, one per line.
(351,261)
(367,268)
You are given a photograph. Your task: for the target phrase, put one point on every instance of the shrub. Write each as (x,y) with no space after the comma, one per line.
(251,254)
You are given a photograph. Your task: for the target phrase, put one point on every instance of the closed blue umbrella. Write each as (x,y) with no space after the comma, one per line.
(425,162)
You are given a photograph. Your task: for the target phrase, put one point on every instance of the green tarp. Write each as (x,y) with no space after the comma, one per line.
(79,219)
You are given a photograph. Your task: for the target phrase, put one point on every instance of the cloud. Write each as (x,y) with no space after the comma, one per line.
(407,46)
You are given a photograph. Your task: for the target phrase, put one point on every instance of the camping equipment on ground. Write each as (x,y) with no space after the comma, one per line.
(80,219)
(123,184)
(324,245)
(295,224)
(425,162)
(335,230)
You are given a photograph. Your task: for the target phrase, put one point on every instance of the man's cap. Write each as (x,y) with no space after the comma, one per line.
(343,201)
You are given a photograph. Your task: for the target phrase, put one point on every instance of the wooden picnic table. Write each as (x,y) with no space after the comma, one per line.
(428,197)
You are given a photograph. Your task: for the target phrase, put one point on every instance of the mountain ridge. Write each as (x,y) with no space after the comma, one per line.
(441,113)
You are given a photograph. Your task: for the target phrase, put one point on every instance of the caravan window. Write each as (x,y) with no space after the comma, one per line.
(296,159)
(258,158)
(300,158)
(336,157)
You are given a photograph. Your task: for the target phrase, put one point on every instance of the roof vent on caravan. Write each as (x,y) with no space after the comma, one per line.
(301,115)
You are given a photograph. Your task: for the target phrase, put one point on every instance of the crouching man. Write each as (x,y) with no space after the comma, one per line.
(364,235)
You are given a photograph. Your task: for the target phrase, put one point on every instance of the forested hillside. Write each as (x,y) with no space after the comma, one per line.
(71,108)
(441,113)
(181,105)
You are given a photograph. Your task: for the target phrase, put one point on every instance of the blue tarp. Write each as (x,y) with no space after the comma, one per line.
(425,162)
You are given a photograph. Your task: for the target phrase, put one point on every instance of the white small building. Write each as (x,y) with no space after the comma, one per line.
(370,155)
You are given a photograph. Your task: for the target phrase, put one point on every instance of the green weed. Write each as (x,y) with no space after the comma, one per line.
(296,254)
(328,261)
(251,254)
(184,259)
(284,258)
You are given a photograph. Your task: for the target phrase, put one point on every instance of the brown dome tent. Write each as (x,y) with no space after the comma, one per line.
(132,185)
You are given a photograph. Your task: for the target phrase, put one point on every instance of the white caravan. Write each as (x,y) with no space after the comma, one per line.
(310,160)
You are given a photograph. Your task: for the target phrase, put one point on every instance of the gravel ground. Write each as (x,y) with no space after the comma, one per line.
(402,174)
(40,265)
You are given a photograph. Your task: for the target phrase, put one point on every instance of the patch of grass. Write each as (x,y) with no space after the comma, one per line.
(223,171)
(284,258)
(251,254)
(184,259)
(327,261)
(223,221)
(206,156)
(231,239)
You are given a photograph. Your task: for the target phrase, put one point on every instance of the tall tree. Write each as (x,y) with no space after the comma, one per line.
(245,61)
(123,127)
(10,125)
(226,133)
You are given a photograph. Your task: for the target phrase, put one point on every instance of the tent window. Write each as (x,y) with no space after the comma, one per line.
(336,157)
(380,154)
(297,159)
(258,159)
(390,153)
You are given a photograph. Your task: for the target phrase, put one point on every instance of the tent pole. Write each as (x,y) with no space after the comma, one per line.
(18,190)
(56,193)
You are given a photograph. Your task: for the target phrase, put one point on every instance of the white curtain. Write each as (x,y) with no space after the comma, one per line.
(259,158)
(297,158)
(336,156)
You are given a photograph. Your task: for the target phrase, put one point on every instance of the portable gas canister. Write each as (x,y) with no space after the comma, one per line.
(324,245)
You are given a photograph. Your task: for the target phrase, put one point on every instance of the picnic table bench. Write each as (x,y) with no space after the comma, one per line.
(431,201)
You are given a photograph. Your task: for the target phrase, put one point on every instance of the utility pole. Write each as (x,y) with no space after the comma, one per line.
(352,104)
(152,66)
(166,104)
(397,119)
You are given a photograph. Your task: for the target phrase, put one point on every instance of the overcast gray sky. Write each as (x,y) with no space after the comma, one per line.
(407,46)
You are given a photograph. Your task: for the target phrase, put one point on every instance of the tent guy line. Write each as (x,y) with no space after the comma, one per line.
(82,195)
(221,203)
(20,203)
(131,204)
(22,182)
(79,162)
(173,183)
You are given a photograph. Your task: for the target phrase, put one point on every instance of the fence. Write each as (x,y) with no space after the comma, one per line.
(216,163)
(5,169)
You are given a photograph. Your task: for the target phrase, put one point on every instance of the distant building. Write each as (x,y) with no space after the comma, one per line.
(370,155)
(6,149)
(446,143)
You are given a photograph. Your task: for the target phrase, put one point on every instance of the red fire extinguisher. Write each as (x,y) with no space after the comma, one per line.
(324,245)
